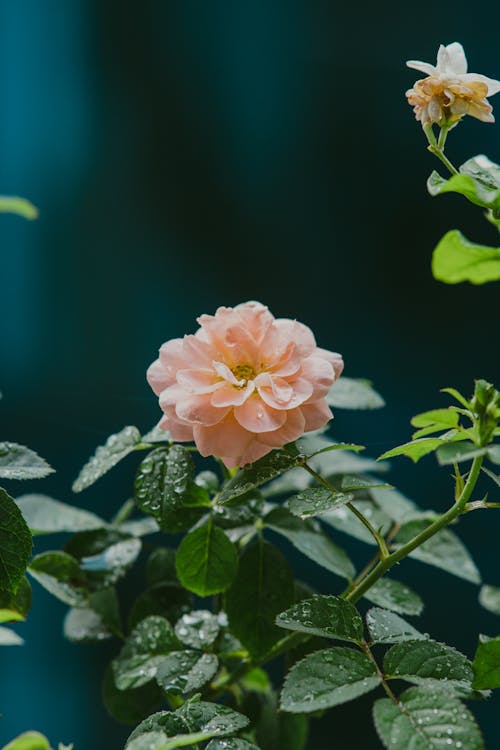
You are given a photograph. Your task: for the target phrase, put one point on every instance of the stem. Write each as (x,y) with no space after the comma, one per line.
(366,648)
(433,528)
(379,539)
(437,147)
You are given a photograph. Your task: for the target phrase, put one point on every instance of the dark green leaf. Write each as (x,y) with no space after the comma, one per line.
(233,743)
(489,598)
(62,576)
(262,471)
(148,644)
(326,616)
(355,484)
(105,603)
(129,706)
(206,561)
(328,678)
(161,566)
(45,516)
(343,519)
(486,665)
(264,579)
(425,719)
(316,500)
(117,446)
(453,453)
(186,671)
(428,662)
(15,544)
(347,393)
(455,259)
(444,550)
(19,462)
(166,599)
(396,596)
(387,627)
(20,601)
(308,537)
(197,629)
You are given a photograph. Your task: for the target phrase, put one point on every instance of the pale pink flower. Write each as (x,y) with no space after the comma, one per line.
(243,384)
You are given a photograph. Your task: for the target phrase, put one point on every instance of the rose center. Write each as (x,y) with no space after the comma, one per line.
(243,372)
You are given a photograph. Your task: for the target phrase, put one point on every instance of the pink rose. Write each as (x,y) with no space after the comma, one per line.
(243,384)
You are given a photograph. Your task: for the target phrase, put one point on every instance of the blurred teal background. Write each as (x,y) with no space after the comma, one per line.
(185,155)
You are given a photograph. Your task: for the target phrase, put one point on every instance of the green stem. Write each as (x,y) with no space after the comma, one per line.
(437,147)
(442,521)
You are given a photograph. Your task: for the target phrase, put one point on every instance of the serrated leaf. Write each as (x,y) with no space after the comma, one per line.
(355,484)
(426,719)
(186,671)
(148,644)
(19,462)
(343,519)
(197,629)
(206,561)
(387,627)
(29,741)
(486,665)
(157,435)
(117,446)
(454,453)
(489,598)
(326,616)
(309,539)
(9,638)
(260,472)
(44,515)
(167,599)
(395,596)
(315,501)
(264,579)
(328,678)
(456,259)
(60,574)
(444,550)
(415,449)
(394,504)
(348,393)
(15,544)
(108,566)
(426,661)
(129,706)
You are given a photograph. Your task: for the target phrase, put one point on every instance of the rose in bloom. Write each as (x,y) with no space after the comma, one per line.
(243,384)
(449,92)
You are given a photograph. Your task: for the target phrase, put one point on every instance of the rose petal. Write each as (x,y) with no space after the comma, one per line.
(197,381)
(293,429)
(197,409)
(333,358)
(316,414)
(275,391)
(228,439)
(319,373)
(229,395)
(256,416)
(157,378)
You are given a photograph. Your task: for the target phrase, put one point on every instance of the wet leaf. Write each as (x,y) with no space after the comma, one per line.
(84,626)
(148,644)
(395,596)
(15,544)
(10,638)
(107,567)
(428,662)
(186,671)
(316,500)
(349,393)
(489,598)
(167,599)
(326,616)
(19,462)
(255,475)
(61,575)
(129,706)
(486,665)
(206,561)
(197,629)
(45,515)
(387,627)
(117,446)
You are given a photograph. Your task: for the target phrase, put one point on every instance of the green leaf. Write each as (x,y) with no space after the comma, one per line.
(9,615)
(394,504)
(206,561)
(9,638)
(157,435)
(149,741)
(197,629)
(47,516)
(478,181)
(387,627)
(355,484)
(231,744)
(117,446)
(84,626)
(186,671)
(347,393)
(108,566)
(12,204)
(105,603)
(343,519)
(489,598)
(161,566)
(441,418)
(454,453)
(326,616)
(315,501)
(494,455)
(148,644)
(20,602)
(486,665)
(276,730)
(140,526)
(426,719)
(428,662)
(455,259)
(264,579)
(255,475)
(19,462)
(328,678)
(395,596)
(308,538)
(62,576)
(444,550)
(416,449)
(129,706)
(167,599)
(29,741)
(15,544)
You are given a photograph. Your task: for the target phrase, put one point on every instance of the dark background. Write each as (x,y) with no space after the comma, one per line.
(186,155)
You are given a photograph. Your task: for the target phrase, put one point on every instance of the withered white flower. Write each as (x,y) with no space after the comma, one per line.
(449,92)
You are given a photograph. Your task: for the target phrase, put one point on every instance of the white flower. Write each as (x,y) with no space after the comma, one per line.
(449,92)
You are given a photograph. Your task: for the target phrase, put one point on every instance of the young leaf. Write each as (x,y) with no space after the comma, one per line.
(197,629)
(328,678)
(444,550)
(426,719)
(395,596)
(106,456)
(416,449)
(486,665)
(264,579)
(387,627)
(489,598)
(262,471)
(315,501)
(440,418)
(129,706)
(186,671)
(29,741)
(62,576)
(15,544)
(47,516)
(309,539)
(428,662)
(19,462)
(326,616)
(206,561)
(455,259)
(347,393)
